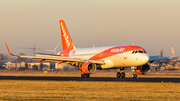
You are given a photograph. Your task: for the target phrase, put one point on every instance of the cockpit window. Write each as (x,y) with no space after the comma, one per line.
(138,51)
(133,52)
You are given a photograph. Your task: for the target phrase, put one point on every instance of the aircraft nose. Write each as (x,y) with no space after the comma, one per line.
(145,58)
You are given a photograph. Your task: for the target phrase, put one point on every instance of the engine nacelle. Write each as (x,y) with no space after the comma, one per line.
(88,68)
(143,69)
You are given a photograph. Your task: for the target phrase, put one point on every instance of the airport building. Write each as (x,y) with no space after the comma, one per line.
(15,66)
(38,66)
(30,66)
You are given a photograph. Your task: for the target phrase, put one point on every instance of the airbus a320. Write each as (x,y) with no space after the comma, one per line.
(88,60)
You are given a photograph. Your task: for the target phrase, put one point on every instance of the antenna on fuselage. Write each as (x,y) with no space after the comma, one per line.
(133,44)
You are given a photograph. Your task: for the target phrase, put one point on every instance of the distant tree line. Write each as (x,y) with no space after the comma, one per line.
(3,58)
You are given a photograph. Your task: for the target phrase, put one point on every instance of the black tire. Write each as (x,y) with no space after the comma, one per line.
(134,76)
(118,74)
(87,75)
(82,75)
(122,75)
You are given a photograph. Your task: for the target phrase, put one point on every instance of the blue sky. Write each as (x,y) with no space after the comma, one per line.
(151,24)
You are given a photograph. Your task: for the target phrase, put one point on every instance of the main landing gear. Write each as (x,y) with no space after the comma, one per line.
(121,74)
(84,75)
(134,75)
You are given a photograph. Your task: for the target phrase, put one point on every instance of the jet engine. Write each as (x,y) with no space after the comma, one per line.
(88,68)
(143,69)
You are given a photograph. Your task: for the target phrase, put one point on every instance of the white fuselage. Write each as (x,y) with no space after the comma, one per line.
(113,56)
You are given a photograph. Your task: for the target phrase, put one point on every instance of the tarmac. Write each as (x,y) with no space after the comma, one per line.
(140,79)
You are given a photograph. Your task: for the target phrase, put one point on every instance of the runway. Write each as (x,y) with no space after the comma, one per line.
(91,79)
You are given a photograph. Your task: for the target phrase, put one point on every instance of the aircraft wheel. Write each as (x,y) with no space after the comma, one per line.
(118,74)
(122,75)
(83,75)
(134,76)
(87,75)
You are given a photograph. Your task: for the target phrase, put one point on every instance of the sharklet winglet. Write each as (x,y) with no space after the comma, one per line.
(9,50)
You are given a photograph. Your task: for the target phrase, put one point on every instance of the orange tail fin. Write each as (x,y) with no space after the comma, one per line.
(172,51)
(65,37)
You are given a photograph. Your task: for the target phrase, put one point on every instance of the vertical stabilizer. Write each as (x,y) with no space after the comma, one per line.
(172,51)
(65,37)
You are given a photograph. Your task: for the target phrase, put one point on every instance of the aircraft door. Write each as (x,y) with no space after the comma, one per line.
(125,58)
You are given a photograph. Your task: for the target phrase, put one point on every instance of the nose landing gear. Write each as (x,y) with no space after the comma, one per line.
(134,75)
(120,74)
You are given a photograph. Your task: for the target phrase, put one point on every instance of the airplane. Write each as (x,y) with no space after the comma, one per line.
(88,60)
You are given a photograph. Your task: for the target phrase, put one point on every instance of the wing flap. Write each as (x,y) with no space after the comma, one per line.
(46,54)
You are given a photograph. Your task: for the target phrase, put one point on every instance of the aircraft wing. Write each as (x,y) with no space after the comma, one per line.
(56,58)
(59,58)
(154,58)
(46,54)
